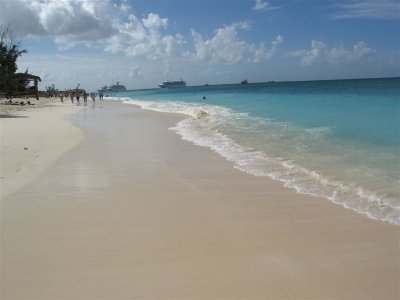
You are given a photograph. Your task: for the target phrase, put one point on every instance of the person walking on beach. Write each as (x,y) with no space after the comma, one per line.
(77,99)
(71,96)
(85,98)
(62,97)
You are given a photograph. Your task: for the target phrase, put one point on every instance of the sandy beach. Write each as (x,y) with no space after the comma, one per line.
(32,138)
(107,203)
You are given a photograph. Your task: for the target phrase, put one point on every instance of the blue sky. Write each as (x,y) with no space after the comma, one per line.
(141,43)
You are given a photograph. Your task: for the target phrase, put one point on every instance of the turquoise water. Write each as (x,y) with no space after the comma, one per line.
(337,139)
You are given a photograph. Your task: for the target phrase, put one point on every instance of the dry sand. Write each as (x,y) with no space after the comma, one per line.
(133,212)
(32,137)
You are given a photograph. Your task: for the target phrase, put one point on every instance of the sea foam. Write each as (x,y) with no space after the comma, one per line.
(204,127)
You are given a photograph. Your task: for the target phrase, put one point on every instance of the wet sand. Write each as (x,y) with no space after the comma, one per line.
(134,212)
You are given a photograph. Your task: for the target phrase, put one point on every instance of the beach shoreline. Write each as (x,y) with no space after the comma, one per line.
(136,212)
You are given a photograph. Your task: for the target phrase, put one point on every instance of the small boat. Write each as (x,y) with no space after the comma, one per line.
(173,84)
(244,81)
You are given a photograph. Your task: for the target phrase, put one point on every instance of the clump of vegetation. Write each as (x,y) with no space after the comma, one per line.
(11,82)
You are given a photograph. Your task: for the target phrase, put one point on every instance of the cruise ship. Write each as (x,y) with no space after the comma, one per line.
(173,84)
(113,88)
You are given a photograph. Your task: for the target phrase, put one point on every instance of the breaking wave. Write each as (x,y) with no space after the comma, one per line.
(220,129)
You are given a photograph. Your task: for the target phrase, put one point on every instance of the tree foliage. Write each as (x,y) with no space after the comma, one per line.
(10,50)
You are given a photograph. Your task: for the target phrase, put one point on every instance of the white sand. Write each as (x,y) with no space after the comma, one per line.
(33,139)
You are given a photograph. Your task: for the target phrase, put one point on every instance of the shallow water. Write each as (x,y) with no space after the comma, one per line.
(337,139)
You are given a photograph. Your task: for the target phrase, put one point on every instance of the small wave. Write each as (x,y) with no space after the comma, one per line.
(200,129)
(201,114)
(319,132)
(115,98)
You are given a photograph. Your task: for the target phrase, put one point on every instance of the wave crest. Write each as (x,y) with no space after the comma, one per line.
(201,128)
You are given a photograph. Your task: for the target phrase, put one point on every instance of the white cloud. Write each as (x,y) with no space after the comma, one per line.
(69,21)
(173,45)
(263,6)
(369,9)
(319,53)
(260,5)
(262,53)
(115,29)
(153,21)
(143,38)
(22,19)
(134,72)
(226,47)
(93,22)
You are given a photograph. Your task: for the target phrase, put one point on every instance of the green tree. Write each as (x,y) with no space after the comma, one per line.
(10,50)
(51,90)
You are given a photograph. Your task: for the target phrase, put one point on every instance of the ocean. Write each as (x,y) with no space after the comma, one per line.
(339,139)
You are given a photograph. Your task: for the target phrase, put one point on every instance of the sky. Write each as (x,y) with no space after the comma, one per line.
(142,43)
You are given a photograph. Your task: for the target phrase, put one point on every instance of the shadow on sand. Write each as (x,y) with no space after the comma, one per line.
(6,116)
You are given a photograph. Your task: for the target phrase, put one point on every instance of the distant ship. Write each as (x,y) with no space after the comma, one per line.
(173,84)
(113,88)
(244,81)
